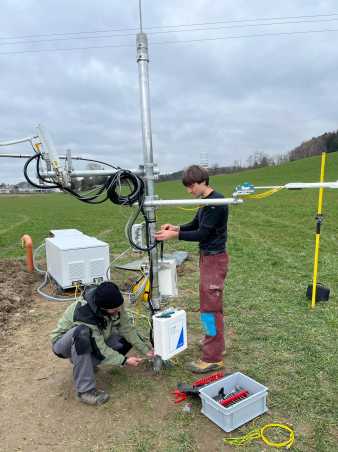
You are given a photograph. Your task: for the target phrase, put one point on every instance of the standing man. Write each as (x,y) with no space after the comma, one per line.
(209,228)
(96,330)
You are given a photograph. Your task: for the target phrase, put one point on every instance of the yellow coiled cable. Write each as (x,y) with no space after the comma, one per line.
(260,433)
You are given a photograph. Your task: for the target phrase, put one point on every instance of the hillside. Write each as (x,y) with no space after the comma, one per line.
(328,142)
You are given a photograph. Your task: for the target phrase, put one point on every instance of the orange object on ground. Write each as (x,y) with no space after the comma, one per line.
(27,242)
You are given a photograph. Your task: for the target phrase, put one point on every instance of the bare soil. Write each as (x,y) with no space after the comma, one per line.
(38,408)
(15,292)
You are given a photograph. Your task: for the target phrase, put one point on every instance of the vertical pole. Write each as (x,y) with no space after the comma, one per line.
(143,60)
(319,219)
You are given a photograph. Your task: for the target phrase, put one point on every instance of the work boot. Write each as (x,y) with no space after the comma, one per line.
(201,367)
(93,397)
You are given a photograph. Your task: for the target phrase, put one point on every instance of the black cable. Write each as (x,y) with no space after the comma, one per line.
(129,231)
(88,200)
(136,183)
(108,186)
(29,180)
(136,196)
(161,249)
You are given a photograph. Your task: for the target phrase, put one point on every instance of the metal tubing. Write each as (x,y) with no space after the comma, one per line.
(16,156)
(21,140)
(82,173)
(85,173)
(320,184)
(27,156)
(192,202)
(299,185)
(51,154)
(143,60)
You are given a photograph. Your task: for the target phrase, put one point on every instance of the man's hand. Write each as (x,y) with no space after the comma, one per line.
(150,354)
(169,227)
(133,361)
(166,234)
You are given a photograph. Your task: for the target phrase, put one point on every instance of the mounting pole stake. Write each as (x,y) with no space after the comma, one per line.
(143,61)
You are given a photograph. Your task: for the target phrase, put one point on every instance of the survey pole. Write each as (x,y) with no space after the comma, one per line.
(319,219)
(143,61)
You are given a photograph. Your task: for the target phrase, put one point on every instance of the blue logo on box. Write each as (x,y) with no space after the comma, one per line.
(180,342)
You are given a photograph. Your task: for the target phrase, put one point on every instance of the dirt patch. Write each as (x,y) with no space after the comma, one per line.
(38,406)
(16,286)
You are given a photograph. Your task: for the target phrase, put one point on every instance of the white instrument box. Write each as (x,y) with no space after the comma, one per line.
(75,258)
(170,333)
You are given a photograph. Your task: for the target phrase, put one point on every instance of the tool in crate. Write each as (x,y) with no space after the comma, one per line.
(184,389)
(232,397)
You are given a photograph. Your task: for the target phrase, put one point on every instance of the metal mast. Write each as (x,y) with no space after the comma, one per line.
(143,61)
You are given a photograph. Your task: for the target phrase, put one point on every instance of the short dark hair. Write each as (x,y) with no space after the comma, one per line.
(195,174)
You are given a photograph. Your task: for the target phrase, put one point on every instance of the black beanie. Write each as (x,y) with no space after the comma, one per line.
(108,296)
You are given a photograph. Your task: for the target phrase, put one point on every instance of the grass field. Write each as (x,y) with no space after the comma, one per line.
(273,336)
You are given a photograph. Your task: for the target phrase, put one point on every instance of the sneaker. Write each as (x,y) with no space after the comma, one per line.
(201,367)
(93,397)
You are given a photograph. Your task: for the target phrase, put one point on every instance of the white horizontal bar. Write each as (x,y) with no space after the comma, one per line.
(16,156)
(263,187)
(191,202)
(295,185)
(21,140)
(87,173)
(83,173)
(299,185)
(27,156)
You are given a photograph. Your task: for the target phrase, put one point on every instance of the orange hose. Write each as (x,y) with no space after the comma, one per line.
(27,242)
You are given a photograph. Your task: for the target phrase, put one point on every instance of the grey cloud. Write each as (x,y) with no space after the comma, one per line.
(229,98)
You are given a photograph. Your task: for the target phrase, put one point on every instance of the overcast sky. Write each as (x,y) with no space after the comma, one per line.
(225,97)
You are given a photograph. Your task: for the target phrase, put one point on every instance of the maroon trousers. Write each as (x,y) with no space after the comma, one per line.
(213,270)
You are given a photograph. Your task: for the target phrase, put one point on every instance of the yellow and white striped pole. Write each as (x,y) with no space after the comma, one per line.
(319,219)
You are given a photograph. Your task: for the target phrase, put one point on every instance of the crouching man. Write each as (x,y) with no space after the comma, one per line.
(96,330)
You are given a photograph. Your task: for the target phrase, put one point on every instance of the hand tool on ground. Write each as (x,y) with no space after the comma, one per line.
(184,389)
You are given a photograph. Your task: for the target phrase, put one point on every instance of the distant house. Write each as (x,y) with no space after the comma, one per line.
(22,188)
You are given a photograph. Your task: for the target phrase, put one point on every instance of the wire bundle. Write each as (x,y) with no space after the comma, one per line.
(261,434)
(110,189)
(92,197)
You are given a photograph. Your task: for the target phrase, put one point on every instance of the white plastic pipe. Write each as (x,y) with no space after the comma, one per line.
(300,185)
(21,140)
(192,202)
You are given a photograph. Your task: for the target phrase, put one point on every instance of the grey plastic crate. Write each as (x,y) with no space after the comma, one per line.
(238,414)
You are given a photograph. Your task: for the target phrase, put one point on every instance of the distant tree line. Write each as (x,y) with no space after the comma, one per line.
(328,142)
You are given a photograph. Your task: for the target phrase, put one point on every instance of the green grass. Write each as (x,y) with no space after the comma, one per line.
(273,336)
